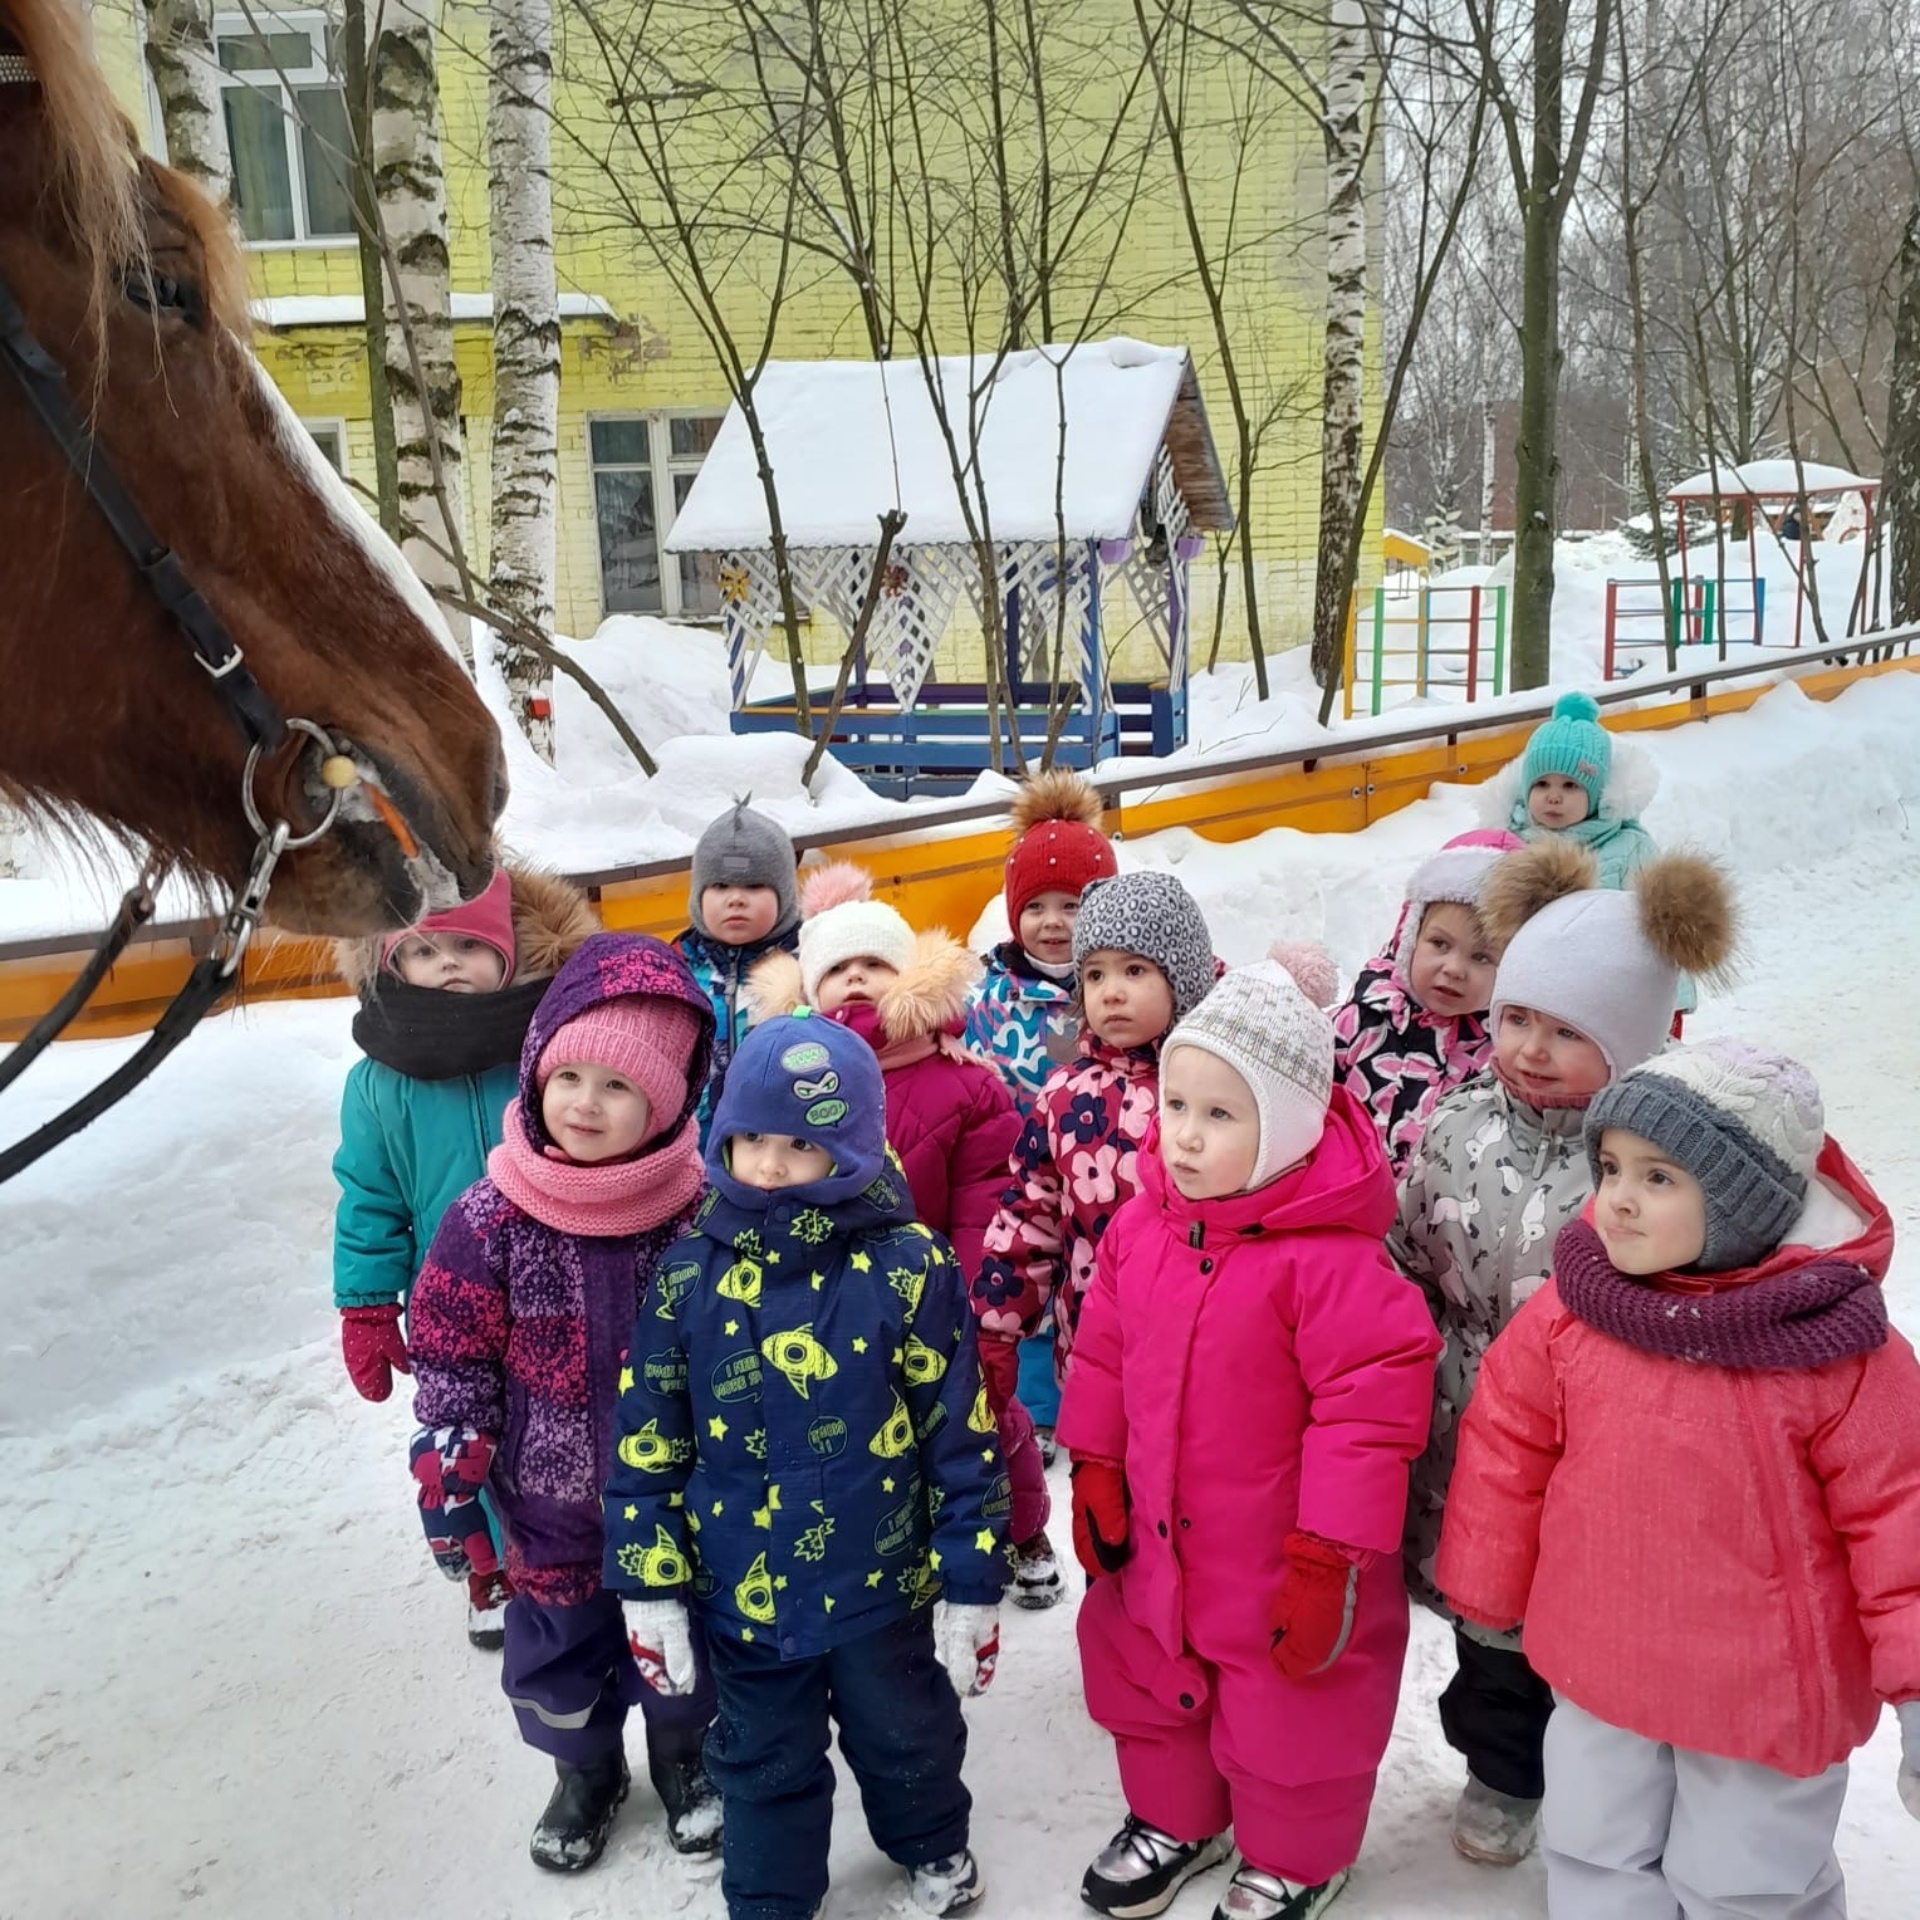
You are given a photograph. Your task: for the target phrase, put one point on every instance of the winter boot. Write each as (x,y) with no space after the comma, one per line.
(947,1886)
(1265,1896)
(1140,1869)
(692,1802)
(1496,1829)
(1036,1575)
(572,1833)
(487,1597)
(1049,1447)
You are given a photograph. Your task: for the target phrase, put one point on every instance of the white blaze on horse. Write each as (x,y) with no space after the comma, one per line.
(112,707)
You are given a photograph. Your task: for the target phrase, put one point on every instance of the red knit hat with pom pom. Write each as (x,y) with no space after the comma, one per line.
(1061,847)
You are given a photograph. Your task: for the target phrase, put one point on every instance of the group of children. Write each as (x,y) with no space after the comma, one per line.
(726,1272)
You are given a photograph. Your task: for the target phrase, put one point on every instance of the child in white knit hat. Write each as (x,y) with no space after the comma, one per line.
(1583,993)
(1692,1466)
(1250,1380)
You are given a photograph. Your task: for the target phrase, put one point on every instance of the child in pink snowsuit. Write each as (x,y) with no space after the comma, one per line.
(1250,1383)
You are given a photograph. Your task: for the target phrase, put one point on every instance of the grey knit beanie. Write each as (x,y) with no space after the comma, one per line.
(1745,1122)
(745,849)
(1265,1028)
(1153,915)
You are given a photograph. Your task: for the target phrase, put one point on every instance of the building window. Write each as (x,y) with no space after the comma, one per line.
(643,468)
(330,436)
(287,136)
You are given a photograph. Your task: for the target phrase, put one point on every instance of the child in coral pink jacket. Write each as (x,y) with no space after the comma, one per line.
(1692,1467)
(1250,1382)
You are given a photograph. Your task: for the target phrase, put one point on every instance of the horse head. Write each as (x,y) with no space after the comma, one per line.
(132,281)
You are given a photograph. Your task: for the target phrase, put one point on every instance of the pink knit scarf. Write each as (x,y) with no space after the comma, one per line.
(606,1201)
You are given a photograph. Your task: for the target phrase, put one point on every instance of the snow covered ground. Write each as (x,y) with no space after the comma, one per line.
(233,1683)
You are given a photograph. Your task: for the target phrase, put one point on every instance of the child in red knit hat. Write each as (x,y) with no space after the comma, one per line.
(1022,1017)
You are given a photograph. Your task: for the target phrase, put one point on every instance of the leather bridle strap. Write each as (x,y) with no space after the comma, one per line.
(45,386)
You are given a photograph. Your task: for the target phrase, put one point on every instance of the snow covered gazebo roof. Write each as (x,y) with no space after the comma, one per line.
(1089,460)
(850,439)
(1770,480)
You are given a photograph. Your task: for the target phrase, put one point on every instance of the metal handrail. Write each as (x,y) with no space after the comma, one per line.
(1355,744)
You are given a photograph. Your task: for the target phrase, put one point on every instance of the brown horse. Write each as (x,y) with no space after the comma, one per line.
(132,281)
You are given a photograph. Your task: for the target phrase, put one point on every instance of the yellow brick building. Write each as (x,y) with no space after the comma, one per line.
(642,388)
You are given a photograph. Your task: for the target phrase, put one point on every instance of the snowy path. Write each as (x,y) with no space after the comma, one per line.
(232,1685)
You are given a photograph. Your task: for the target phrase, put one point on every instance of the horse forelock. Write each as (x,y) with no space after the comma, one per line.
(92,165)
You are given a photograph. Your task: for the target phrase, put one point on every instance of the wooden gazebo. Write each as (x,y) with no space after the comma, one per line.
(1098,453)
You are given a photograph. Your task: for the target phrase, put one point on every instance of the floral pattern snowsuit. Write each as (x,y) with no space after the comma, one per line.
(1486,1193)
(1397,1059)
(1071,1172)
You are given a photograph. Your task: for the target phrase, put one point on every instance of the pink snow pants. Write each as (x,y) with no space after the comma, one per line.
(1026,1473)
(1191,1773)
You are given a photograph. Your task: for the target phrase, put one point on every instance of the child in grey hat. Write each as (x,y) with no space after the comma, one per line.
(744,904)
(1145,961)
(1692,1466)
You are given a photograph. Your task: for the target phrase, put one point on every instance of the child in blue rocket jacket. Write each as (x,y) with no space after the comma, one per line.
(807,1461)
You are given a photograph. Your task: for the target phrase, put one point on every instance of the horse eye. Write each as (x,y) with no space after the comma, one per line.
(162,293)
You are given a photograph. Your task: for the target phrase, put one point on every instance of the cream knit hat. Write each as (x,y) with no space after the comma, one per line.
(1265,1028)
(842,932)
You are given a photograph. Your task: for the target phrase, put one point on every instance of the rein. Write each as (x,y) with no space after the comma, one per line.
(261,724)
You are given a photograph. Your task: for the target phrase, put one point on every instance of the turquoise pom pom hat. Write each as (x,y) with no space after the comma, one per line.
(1572,743)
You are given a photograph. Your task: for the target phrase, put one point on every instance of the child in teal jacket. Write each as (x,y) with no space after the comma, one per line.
(444,1008)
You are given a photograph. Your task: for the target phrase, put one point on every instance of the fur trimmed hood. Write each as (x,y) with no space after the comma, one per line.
(551,918)
(927,998)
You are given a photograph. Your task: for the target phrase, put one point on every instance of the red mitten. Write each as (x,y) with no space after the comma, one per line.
(1100,1507)
(1312,1617)
(1000,1369)
(370,1338)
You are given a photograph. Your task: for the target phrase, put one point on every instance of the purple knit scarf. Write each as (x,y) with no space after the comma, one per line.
(1827,1310)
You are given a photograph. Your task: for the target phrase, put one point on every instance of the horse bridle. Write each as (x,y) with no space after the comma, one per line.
(261,724)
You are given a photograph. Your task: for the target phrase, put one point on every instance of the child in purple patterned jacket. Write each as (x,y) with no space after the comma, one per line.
(518,1327)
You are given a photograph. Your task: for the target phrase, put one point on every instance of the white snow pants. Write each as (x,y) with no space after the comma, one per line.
(1631,1830)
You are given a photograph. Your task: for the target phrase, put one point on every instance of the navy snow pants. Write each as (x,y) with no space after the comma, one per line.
(901,1731)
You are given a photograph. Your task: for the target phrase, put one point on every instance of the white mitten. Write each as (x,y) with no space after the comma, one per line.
(1909,1716)
(966,1641)
(657,1632)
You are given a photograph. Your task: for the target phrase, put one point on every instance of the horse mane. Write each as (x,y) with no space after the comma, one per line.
(94,148)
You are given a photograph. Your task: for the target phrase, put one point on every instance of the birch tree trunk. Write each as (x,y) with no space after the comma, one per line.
(1489,471)
(526,346)
(1346,338)
(1900,501)
(409,189)
(186,76)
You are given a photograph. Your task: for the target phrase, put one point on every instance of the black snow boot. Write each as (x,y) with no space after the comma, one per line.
(692,1802)
(572,1833)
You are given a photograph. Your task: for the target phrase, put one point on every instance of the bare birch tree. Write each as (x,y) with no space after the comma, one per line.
(526,345)
(186,77)
(409,190)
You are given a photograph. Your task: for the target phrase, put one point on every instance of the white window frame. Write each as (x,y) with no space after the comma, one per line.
(661,465)
(338,428)
(318,25)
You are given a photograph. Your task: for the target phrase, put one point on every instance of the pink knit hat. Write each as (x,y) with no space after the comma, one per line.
(645,1037)
(488,918)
